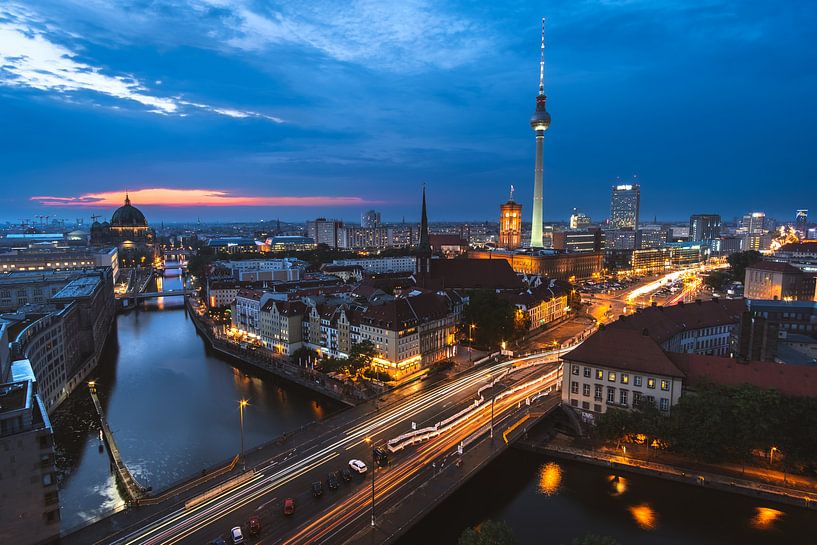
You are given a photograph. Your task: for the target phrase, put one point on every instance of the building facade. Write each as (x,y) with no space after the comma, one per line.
(510,224)
(625,206)
(778,281)
(704,227)
(324,231)
(556,265)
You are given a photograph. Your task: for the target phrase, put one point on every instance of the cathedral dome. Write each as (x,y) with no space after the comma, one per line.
(128,216)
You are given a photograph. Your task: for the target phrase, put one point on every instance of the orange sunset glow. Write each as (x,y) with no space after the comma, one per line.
(161,196)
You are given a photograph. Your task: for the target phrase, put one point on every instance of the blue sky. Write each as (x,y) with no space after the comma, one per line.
(328,108)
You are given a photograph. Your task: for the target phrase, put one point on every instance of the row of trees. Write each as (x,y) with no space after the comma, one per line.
(738,262)
(359,360)
(725,424)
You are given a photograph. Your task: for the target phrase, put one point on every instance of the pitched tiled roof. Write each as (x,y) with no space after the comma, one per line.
(406,311)
(474,274)
(661,323)
(446,240)
(250,294)
(624,349)
(806,246)
(774,266)
(791,379)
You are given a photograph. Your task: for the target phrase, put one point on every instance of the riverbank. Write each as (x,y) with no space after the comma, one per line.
(694,476)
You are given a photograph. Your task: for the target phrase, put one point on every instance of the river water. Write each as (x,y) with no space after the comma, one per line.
(172,404)
(549,501)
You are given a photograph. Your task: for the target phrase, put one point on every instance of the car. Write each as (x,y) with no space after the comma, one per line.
(218,541)
(345,474)
(289,506)
(254,525)
(357,466)
(317,489)
(381,456)
(237,536)
(332,481)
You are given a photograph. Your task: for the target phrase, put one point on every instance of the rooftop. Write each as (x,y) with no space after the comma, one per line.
(79,287)
(774,266)
(624,349)
(796,380)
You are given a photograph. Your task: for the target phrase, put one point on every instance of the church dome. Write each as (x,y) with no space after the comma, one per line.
(128,216)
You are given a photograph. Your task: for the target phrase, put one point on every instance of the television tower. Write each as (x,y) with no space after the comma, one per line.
(539,122)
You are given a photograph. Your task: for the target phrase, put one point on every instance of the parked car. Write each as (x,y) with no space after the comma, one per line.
(357,466)
(317,489)
(254,525)
(332,481)
(289,506)
(345,474)
(237,536)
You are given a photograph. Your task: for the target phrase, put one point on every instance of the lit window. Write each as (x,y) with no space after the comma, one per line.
(611,376)
(665,385)
(625,378)
(650,383)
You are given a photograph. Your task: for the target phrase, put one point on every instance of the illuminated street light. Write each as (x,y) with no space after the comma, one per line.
(371,444)
(241,404)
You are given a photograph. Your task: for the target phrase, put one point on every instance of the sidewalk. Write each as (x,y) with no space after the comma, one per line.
(711,476)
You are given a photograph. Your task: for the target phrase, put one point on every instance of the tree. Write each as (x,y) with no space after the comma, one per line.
(592,539)
(717,279)
(361,356)
(494,320)
(488,533)
(740,260)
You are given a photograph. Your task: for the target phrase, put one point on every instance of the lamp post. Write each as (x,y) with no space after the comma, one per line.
(241,404)
(470,339)
(493,397)
(371,444)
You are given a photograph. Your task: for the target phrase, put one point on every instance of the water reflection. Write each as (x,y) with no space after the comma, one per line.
(644,516)
(550,477)
(172,403)
(765,518)
(618,484)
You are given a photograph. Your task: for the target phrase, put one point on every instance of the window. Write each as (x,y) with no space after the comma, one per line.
(599,374)
(48,479)
(574,402)
(586,372)
(637,380)
(650,383)
(611,394)
(586,390)
(597,408)
(597,394)
(622,397)
(664,404)
(574,387)
(585,405)
(574,369)
(665,385)
(611,376)
(625,378)
(636,398)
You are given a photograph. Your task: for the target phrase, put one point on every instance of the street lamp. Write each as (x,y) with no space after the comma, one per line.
(371,444)
(771,454)
(241,404)
(470,338)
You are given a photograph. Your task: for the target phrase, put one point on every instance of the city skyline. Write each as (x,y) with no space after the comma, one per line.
(204,114)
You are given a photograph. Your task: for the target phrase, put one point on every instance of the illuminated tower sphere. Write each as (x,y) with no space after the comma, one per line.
(510,224)
(539,122)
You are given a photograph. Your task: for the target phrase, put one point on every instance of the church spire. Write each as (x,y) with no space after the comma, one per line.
(127,199)
(425,245)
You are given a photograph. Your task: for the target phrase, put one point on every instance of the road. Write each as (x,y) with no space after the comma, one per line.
(338,514)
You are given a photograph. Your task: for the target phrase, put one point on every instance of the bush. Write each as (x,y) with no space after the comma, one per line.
(376,374)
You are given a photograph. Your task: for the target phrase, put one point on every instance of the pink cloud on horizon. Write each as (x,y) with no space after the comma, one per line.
(160,196)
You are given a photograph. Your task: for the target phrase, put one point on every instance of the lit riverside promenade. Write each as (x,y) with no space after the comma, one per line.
(286,469)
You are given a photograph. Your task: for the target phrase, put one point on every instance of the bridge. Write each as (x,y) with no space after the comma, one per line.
(439,435)
(166,293)
(133,488)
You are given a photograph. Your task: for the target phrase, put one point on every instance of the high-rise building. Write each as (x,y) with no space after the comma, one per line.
(324,231)
(801,222)
(625,203)
(510,224)
(539,122)
(579,220)
(370,218)
(704,227)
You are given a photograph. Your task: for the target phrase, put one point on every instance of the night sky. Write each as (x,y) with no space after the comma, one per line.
(262,110)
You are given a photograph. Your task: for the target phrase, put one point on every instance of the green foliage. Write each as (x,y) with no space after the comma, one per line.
(488,533)
(717,280)
(375,374)
(495,320)
(592,539)
(723,423)
(304,354)
(360,357)
(740,260)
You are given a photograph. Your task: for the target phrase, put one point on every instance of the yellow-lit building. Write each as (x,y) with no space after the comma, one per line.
(510,224)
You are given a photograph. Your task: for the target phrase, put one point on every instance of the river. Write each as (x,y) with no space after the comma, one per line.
(549,501)
(172,404)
